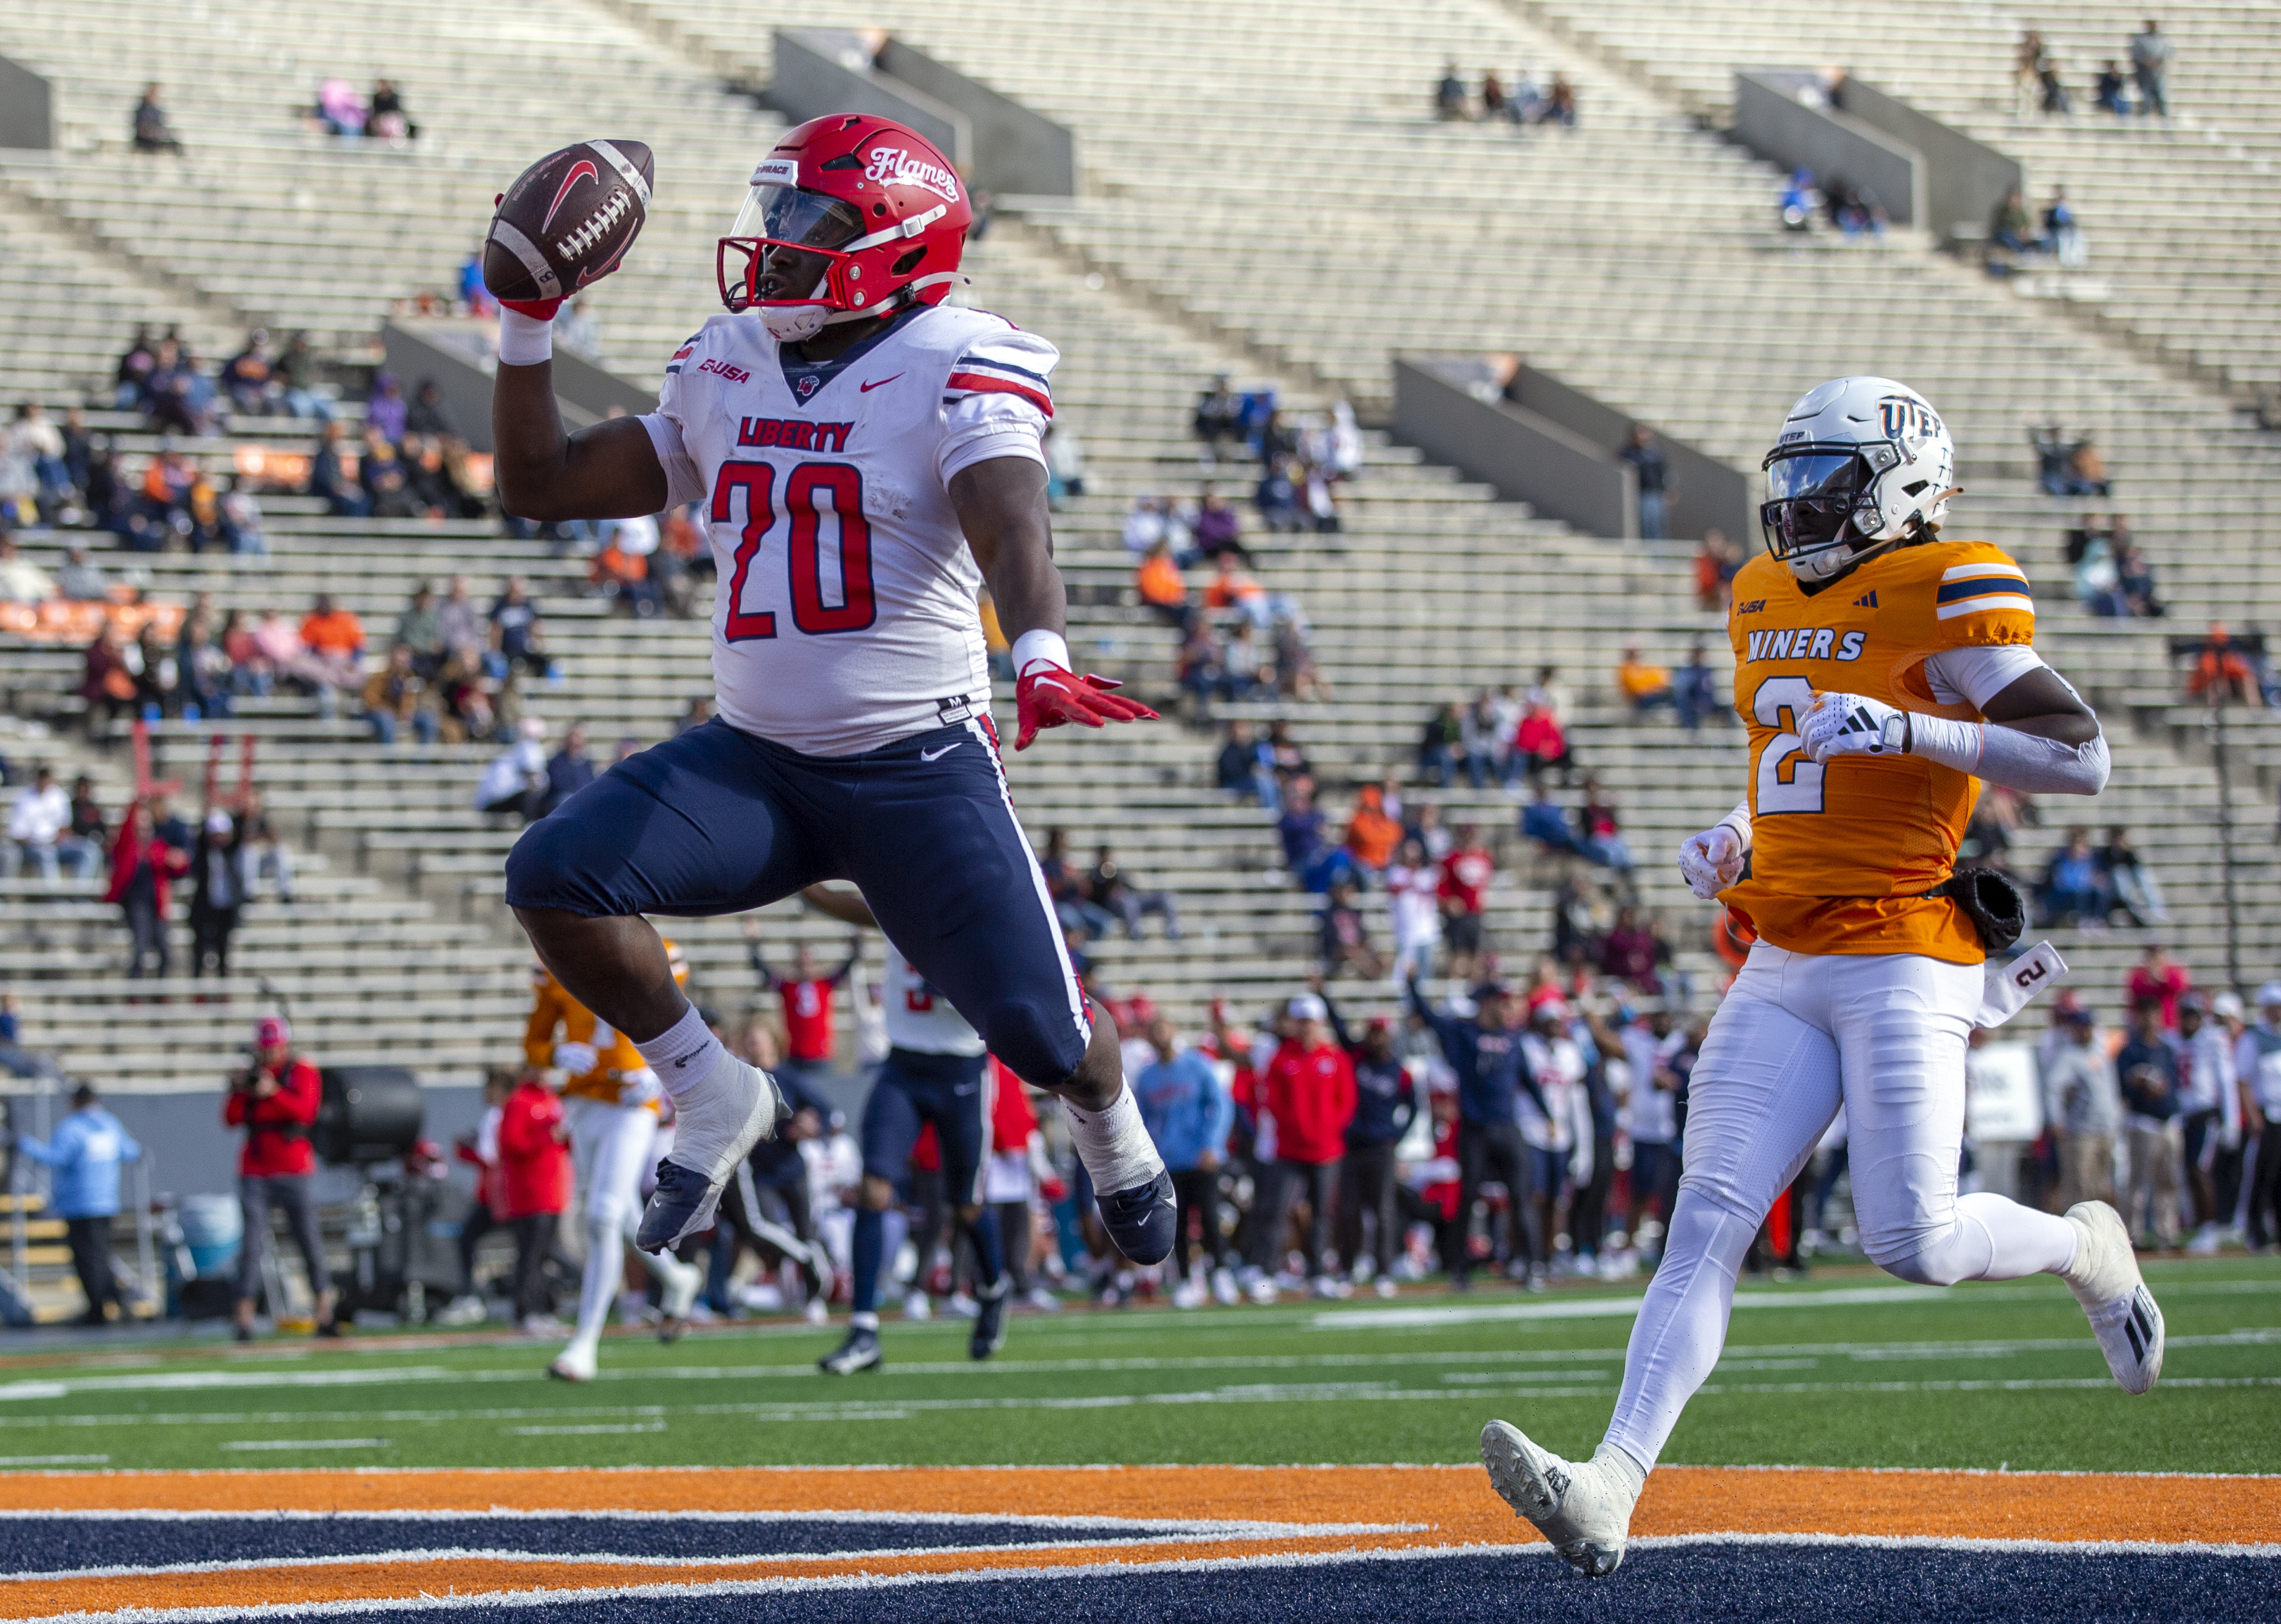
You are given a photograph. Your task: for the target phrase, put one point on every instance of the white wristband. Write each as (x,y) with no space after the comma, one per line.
(1032,647)
(1739,821)
(524,341)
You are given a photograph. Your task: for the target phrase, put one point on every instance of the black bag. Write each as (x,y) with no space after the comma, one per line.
(1997,908)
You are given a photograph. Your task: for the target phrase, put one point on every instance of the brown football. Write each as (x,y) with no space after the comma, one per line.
(567,219)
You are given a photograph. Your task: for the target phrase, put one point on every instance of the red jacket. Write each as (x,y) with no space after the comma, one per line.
(1310,1093)
(534,1163)
(277,1136)
(1012,1120)
(128,854)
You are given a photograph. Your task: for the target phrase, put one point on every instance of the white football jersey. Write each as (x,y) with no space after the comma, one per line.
(919,1018)
(844,611)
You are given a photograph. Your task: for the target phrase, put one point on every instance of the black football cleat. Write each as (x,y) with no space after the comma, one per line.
(1141,1221)
(990,1322)
(860,1351)
(682,1205)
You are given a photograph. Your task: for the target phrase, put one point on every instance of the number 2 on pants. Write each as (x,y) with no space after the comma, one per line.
(1801,791)
(805,493)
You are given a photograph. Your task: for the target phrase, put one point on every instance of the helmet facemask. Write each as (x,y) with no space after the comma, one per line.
(803,262)
(1824,514)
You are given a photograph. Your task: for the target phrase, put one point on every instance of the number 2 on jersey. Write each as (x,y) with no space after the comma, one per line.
(1801,791)
(809,483)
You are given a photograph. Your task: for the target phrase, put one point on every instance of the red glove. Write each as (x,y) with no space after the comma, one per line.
(1054,1191)
(1048,695)
(537,310)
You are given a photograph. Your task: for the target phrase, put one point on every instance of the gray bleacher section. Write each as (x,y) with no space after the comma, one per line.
(1299,222)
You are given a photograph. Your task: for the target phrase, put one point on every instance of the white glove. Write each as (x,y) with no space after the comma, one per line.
(1712,861)
(575,1059)
(1851,724)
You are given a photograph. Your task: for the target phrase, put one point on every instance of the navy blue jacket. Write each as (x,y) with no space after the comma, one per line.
(1385,1098)
(1491,1072)
(778,1162)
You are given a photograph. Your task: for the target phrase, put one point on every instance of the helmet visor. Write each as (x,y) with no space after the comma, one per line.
(1820,474)
(802,218)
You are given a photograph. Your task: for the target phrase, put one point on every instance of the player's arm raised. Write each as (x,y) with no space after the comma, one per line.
(1002,506)
(609,471)
(2039,736)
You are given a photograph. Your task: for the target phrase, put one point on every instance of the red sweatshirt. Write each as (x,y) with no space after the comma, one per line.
(534,1164)
(1012,1120)
(277,1140)
(1310,1093)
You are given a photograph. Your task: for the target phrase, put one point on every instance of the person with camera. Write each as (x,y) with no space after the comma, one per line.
(274,1100)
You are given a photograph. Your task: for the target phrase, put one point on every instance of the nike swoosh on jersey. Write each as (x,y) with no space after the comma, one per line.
(936,755)
(865,388)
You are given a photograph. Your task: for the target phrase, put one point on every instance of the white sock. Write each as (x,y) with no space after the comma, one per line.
(1681,1325)
(1113,1144)
(1619,1461)
(598,1288)
(683,1053)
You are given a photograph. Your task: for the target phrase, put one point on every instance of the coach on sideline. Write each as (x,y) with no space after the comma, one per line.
(85,1152)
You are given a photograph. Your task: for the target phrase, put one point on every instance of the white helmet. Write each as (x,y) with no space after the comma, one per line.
(1861,465)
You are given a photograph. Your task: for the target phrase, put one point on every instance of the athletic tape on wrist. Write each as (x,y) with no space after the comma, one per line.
(1032,647)
(524,341)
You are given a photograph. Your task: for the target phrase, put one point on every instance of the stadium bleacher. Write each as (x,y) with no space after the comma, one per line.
(1636,255)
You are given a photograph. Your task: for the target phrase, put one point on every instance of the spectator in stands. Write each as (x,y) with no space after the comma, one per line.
(2011,227)
(39,829)
(1442,749)
(1296,672)
(1542,820)
(1561,102)
(2109,94)
(521,635)
(395,698)
(249,380)
(1162,587)
(464,628)
(1110,888)
(1373,833)
(1245,768)
(1645,687)
(1630,951)
(535,1175)
(1148,523)
(334,638)
(329,477)
(386,479)
(1342,935)
(2084,1104)
(1599,838)
(1413,885)
(388,120)
(144,867)
(2027,71)
(297,369)
(85,1155)
(2071,892)
(515,780)
(91,830)
(1449,96)
(2063,235)
(1219,530)
(2134,577)
(386,409)
(2146,1074)
(1654,474)
(2221,675)
(107,681)
(2130,884)
(1800,201)
(1308,1091)
(2150,55)
(150,129)
(568,769)
(22,580)
(1187,1112)
(2055,95)
(811,1032)
(420,630)
(1540,744)
(429,413)
(2158,980)
(1696,692)
(221,881)
(1218,419)
(1466,874)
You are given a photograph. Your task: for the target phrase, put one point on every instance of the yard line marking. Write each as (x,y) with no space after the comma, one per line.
(1600,1308)
(54,1460)
(306,1443)
(579,1432)
(189,1380)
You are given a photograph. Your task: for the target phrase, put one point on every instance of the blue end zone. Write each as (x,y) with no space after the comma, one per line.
(91,1540)
(1777,1583)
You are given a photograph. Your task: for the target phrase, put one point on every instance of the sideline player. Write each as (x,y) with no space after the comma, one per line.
(867,457)
(1881,672)
(611,1098)
(937,1070)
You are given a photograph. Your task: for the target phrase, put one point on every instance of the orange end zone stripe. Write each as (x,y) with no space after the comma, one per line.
(1449,1505)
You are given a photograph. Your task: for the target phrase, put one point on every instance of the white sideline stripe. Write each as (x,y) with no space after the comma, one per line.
(54,1460)
(306,1443)
(193,1381)
(1541,1554)
(605,1558)
(1609,1308)
(1102,1526)
(585,1431)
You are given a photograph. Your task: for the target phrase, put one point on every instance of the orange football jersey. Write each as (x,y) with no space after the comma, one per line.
(557,1018)
(1842,854)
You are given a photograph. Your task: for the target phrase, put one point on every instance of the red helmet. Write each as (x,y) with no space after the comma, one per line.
(872,199)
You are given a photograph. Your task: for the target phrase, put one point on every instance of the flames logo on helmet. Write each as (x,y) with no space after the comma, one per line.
(895,166)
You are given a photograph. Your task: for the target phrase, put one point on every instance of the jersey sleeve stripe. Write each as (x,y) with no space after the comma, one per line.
(1984,606)
(1968,572)
(975,383)
(1986,586)
(997,366)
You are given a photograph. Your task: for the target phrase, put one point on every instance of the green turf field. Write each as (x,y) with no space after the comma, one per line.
(1847,1368)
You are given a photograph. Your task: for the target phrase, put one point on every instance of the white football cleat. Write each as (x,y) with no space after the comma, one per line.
(682,1281)
(716,1120)
(574,1363)
(2105,1280)
(1584,1508)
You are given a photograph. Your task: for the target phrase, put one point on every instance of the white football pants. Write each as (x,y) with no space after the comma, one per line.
(610,1150)
(1797,1035)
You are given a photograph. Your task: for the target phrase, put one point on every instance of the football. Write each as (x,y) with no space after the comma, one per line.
(567,220)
